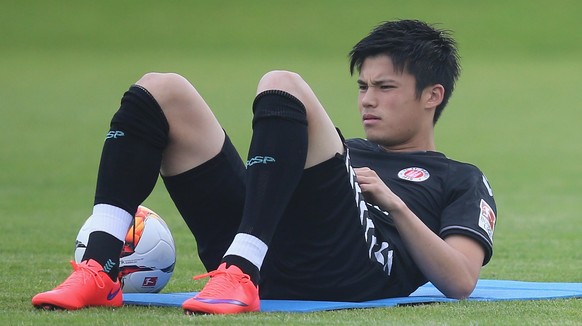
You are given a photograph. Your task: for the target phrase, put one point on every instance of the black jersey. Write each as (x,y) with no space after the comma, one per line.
(450,197)
(330,245)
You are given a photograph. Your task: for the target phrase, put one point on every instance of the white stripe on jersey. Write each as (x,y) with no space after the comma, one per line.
(379,252)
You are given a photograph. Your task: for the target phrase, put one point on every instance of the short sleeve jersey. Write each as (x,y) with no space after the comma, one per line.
(450,197)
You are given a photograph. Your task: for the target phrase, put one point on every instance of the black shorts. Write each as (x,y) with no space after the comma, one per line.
(325,247)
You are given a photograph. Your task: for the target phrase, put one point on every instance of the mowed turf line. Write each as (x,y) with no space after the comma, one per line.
(64,66)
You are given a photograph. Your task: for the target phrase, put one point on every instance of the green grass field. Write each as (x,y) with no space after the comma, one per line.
(516,114)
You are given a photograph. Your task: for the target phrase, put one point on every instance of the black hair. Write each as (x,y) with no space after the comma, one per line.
(426,52)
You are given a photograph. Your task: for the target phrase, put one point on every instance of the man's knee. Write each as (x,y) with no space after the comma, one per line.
(160,80)
(165,87)
(287,81)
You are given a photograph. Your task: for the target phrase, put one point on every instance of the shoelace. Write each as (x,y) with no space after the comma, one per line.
(82,271)
(220,288)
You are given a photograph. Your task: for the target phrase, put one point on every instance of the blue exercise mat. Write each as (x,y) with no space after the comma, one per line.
(486,290)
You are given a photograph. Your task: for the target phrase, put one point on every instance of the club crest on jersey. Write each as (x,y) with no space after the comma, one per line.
(487,219)
(414,174)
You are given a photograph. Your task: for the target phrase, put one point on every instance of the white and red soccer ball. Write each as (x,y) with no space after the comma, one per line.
(149,254)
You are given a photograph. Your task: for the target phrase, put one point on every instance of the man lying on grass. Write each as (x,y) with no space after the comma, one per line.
(311,216)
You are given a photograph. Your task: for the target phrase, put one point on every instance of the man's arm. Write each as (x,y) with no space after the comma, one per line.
(452,265)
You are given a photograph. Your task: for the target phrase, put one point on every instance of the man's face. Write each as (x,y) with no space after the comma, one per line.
(392,114)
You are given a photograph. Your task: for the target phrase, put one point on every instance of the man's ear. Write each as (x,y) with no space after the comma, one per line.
(434,95)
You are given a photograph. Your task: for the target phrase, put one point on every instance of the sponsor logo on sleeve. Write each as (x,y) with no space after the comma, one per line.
(414,174)
(487,219)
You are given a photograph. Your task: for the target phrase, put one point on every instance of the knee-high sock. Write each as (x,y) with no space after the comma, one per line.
(275,164)
(128,171)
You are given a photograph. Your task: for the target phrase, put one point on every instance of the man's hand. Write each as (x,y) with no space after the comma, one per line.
(376,191)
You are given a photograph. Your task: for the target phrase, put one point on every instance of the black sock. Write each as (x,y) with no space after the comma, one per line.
(276,161)
(105,249)
(246,266)
(132,153)
(129,167)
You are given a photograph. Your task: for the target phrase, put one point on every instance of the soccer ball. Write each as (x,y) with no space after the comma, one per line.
(148,256)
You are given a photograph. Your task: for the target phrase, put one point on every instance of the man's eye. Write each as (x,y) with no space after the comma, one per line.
(362,87)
